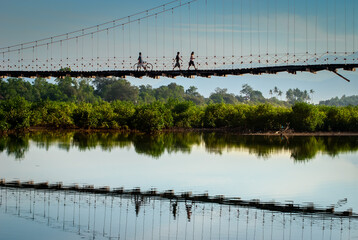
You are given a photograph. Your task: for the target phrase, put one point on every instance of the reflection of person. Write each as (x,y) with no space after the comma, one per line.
(188,211)
(191,62)
(177,59)
(140,62)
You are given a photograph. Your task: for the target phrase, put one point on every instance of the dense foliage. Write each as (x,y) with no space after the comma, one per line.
(18,113)
(343,101)
(116,104)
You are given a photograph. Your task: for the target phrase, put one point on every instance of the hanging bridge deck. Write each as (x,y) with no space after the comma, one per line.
(185,73)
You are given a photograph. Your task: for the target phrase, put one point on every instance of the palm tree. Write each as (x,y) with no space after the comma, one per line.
(270,93)
(280,94)
(312,92)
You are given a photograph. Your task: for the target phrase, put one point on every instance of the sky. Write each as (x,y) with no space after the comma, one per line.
(231,27)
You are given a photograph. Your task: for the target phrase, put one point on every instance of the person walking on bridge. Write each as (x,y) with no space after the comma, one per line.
(177,63)
(191,62)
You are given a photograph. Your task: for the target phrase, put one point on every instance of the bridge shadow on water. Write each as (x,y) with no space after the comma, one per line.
(131,216)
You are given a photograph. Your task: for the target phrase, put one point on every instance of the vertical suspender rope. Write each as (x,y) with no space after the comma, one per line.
(316,23)
(156,39)
(214,30)
(107,33)
(223,28)
(335,26)
(139,36)
(345,27)
(232,32)
(173,44)
(67,49)
(267,31)
(251,29)
(123,54)
(82,52)
(129,37)
(197,28)
(353,3)
(206,30)
(327,27)
(258,30)
(97,47)
(241,31)
(288,28)
(306,5)
(189,27)
(114,45)
(147,50)
(294,30)
(276,30)
(76,52)
(181,34)
(163,36)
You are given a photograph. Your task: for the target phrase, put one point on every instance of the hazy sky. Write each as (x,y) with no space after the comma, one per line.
(311,25)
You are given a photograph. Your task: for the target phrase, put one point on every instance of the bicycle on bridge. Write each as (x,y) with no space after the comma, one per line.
(141,64)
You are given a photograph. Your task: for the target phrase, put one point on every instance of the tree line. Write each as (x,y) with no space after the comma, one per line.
(18,113)
(69,89)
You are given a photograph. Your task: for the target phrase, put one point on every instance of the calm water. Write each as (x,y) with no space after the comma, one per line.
(322,170)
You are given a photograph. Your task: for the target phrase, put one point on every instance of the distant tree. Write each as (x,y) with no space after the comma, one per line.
(343,101)
(296,95)
(116,89)
(312,92)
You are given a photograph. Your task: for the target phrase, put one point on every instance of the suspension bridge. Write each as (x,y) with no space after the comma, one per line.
(228,37)
(131,214)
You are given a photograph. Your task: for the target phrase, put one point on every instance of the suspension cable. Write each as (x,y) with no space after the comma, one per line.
(92,27)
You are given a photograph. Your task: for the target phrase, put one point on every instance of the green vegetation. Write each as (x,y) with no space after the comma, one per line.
(116,104)
(343,101)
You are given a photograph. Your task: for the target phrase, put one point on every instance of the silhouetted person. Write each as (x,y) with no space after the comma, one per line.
(191,62)
(140,62)
(177,63)
(188,211)
(175,206)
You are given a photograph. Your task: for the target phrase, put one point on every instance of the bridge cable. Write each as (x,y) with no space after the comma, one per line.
(189,19)
(288,29)
(275,30)
(173,44)
(107,48)
(206,30)
(147,50)
(139,36)
(294,31)
(345,27)
(316,25)
(97,55)
(214,32)
(327,28)
(197,29)
(92,27)
(164,37)
(267,31)
(67,42)
(251,32)
(123,40)
(156,40)
(306,6)
(353,26)
(223,28)
(232,34)
(82,53)
(258,31)
(114,47)
(241,31)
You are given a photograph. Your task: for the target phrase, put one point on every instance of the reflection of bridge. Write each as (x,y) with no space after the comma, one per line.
(228,37)
(98,213)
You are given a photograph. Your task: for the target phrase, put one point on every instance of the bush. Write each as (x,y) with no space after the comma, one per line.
(54,114)
(17,113)
(187,115)
(124,112)
(152,117)
(219,115)
(306,117)
(84,116)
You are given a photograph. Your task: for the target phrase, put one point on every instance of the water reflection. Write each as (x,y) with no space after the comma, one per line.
(100,216)
(300,148)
